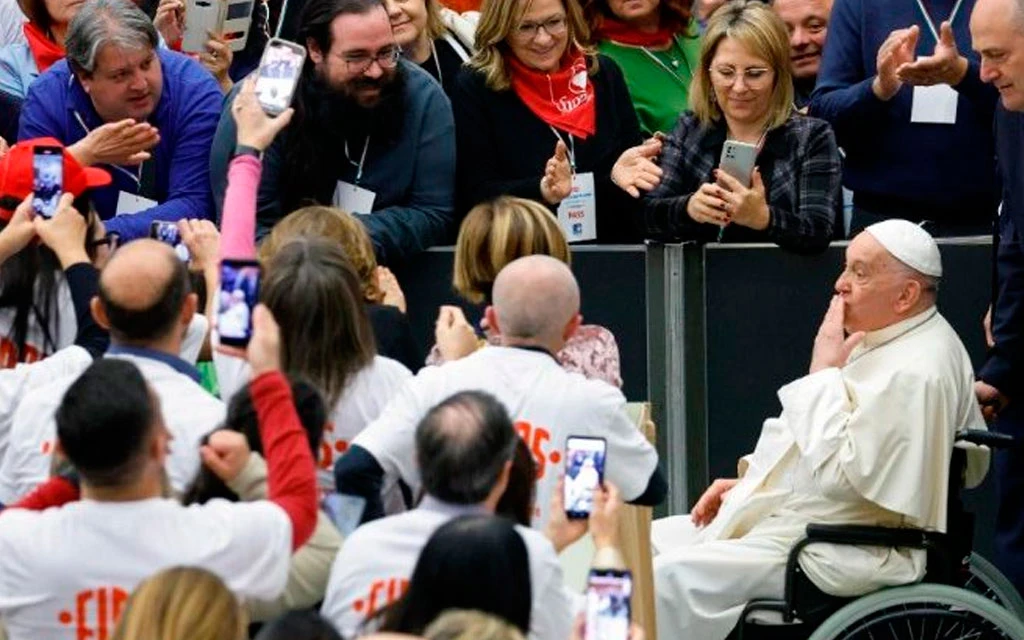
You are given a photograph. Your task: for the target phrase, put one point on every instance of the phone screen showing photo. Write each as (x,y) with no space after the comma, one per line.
(608,605)
(47,180)
(238,295)
(167,232)
(584,472)
(278,75)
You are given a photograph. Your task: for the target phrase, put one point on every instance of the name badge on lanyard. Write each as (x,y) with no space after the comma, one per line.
(351,197)
(936,104)
(578,212)
(130,203)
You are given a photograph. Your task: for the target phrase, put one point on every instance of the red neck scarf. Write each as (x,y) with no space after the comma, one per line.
(618,31)
(563,99)
(44,51)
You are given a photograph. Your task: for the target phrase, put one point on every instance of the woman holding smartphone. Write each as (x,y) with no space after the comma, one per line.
(742,96)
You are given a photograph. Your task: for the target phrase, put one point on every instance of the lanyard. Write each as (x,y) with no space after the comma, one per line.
(136,177)
(362,160)
(668,69)
(931,23)
(572,148)
(437,63)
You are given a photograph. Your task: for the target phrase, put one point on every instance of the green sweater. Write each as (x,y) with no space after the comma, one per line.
(659,90)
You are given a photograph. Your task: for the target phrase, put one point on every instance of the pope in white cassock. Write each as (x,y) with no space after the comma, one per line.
(864,438)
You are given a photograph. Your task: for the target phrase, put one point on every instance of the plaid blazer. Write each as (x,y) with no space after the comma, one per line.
(802,173)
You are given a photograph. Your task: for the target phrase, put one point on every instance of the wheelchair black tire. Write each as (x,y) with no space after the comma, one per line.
(990,582)
(933,604)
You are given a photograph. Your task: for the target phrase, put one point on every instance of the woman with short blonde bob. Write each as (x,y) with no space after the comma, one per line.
(743,92)
(182,603)
(537,110)
(494,234)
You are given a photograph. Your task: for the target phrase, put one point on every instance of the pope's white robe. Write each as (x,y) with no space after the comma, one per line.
(866,444)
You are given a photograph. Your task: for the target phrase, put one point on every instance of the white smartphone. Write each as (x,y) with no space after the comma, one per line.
(202,17)
(738,160)
(278,75)
(584,473)
(237,20)
(609,594)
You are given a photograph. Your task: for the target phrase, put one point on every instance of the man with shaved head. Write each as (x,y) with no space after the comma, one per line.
(146,303)
(864,438)
(535,310)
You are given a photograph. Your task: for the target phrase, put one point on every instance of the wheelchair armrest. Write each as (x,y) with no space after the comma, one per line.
(986,438)
(857,534)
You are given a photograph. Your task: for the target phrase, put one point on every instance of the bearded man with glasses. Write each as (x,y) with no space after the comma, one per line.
(372,134)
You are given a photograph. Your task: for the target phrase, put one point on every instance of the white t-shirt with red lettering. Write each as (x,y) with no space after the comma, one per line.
(365,396)
(547,403)
(373,567)
(66,573)
(60,329)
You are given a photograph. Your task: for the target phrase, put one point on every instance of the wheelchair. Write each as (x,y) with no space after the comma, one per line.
(961,596)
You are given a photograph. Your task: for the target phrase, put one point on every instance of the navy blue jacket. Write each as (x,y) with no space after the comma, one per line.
(414,178)
(944,170)
(186,117)
(1004,368)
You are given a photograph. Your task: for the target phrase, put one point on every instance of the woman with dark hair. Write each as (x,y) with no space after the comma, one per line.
(310,565)
(519,502)
(472,562)
(326,338)
(657,45)
(298,625)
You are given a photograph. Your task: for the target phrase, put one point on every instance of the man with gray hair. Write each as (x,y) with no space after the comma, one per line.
(147,114)
(464,448)
(997,31)
(536,309)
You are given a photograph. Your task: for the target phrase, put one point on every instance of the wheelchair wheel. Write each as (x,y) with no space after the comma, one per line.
(921,612)
(985,579)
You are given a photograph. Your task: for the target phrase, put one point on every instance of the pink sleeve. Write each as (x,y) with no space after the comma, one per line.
(238,226)
(593,352)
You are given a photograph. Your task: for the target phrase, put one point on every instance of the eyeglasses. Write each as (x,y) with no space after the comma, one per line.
(554,27)
(110,241)
(361,62)
(752,77)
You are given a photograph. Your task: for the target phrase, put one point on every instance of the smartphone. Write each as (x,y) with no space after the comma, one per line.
(47,179)
(584,473)
(738,160)
(278,74)
(202,17)
(345,511)
(167,232)
(237,20)
(609,593)
(238,295)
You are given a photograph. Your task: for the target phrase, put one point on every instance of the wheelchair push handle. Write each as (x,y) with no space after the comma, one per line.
(987,438)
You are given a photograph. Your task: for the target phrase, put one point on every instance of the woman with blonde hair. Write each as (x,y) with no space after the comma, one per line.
(182,603)
(743,93)
(425,39)
(494,234)
(539,115)
(467,624)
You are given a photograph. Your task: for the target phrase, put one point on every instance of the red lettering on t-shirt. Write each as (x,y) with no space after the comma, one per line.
(383,592)
(96,612)
(537,439)
(9,354)
(329,451)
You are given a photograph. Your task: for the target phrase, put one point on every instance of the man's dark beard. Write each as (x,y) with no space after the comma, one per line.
(336,111)
(325,119)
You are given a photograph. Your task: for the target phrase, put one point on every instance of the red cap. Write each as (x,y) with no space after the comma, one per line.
(17,174)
